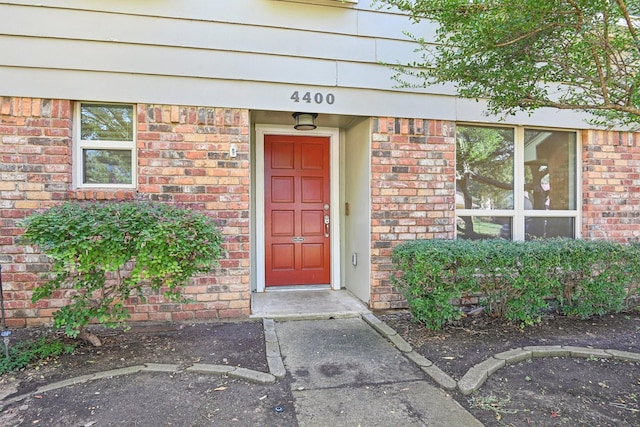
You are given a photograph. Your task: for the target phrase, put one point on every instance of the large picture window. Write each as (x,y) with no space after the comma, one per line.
(106,147)
(516,183)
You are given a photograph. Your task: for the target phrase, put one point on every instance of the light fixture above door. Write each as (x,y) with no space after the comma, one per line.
(305,121)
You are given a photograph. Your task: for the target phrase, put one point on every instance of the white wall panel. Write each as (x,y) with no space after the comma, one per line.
(357,233)
(395,51)
(137,59)
(119,87)
(252,12)
(113,27)
(242,53)
(363,76)
(393,26)
(123,87)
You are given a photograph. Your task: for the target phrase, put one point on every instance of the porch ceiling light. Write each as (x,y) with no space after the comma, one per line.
(305,121)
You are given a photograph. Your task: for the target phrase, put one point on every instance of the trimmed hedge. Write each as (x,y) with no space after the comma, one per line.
(519,281)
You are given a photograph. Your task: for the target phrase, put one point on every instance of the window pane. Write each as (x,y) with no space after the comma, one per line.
(550,170)
(106,122)
(537,228)
(484,167)
(107,166)
(481,227)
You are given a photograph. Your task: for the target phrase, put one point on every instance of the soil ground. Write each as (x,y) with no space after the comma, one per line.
(179,399)
(540,392)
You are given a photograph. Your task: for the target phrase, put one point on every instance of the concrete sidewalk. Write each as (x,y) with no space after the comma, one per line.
(346,374)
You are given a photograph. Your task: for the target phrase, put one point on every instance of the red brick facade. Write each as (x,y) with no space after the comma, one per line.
(611,186)
(412,191)
(183,157)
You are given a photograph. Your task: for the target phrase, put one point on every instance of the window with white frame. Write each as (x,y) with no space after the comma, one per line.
(105,145)
(516,183)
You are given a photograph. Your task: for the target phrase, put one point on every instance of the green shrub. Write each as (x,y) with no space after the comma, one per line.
(106,252)
(24,353)
(429,287)
(594,278)
(519,281)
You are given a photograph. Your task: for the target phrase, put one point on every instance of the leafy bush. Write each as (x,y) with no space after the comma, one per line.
(430,286)
(594,278)
(25,352)
(519,281)
(107,252)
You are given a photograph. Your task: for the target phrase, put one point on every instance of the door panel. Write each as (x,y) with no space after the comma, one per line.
(282,189)
(312,189)
(282,223)
(296,204)
(283,257)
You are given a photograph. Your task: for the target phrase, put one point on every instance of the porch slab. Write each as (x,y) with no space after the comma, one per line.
(306,305)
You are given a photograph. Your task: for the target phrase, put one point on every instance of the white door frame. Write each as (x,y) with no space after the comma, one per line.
(334,174)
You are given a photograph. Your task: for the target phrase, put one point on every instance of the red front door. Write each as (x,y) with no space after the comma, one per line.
(297,222)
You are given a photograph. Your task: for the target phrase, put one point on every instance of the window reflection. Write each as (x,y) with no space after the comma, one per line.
(545,174)
(547,228)
(550,169)
(484,167)
(481,227)
(107,166)
(106,122)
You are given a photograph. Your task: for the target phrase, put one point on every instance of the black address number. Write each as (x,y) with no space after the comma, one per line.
(318,98)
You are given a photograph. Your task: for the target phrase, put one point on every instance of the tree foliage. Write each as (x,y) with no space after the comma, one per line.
(525,54)
(104,253)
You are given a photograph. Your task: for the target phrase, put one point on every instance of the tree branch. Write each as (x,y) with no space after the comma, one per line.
(529,34)
(627,17)
(491,181)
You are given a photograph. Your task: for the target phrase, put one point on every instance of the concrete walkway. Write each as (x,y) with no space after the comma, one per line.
(346,374)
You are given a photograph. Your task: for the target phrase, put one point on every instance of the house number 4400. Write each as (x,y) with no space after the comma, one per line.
(318,98)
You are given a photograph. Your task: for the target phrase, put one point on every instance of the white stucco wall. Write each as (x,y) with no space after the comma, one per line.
(357,225)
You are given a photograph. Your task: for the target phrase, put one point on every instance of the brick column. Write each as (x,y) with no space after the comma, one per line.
(413,193)
(35,172)
(183,157)
(610,185)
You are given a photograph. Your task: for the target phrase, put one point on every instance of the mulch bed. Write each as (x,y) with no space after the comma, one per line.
(541,392)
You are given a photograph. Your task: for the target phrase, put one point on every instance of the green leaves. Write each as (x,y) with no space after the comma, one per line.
(24,353)
(106,252)
(527,54)
(519,281)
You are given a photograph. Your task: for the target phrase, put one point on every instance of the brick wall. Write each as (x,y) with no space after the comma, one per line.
(413,193)
(183,157)
(35,172)
(611,186)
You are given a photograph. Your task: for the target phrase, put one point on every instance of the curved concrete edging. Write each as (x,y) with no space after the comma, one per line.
(478,374)
(274,360)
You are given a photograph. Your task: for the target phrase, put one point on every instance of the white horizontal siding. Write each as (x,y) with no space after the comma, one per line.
(203,63)
(351,75)
(113,27)
(150,60)
(279,14)
(241,53)
(290,45)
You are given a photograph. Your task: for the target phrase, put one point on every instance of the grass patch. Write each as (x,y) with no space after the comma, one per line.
(24,353)
(498,405)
